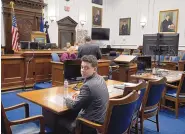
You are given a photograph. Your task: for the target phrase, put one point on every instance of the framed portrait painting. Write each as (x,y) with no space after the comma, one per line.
(96,17)
(99,2)
(124,26)
(168,21)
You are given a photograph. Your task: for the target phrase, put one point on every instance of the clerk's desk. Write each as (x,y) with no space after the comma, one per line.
(58,71)
(52,107)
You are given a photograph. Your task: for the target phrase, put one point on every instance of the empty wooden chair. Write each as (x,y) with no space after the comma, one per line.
(151,101)
(29,125)
(175,94)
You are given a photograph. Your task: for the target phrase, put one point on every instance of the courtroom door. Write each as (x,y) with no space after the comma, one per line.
(66,31)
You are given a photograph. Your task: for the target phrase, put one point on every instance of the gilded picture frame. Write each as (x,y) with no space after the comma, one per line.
(99,2)
(96,17)
(124,26)
(168,21)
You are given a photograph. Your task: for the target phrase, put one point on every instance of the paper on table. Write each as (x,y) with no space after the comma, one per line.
(110,88)
(58,100)
(129,84)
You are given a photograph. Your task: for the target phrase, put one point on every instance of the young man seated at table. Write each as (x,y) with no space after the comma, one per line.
(91,100)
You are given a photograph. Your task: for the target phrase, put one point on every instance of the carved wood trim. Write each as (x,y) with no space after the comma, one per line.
(34,4)
(68,25)
(28,14)
(67,21)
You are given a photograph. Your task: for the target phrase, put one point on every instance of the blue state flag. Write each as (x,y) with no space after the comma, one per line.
(41,25)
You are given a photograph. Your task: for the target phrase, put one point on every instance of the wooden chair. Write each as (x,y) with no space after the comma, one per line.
(136,87)
(29,125)
(151,101)
(175,94)
(118,117)
(140,88)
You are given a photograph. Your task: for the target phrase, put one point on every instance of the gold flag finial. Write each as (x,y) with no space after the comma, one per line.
(12,4)
(42,12)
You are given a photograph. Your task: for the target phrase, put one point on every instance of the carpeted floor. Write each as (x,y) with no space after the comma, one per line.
(168,123)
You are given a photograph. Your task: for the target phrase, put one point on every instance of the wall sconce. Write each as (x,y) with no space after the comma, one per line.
(142,24)
(82,22)
(52,18)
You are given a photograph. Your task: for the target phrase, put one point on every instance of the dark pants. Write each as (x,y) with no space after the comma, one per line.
(67,124)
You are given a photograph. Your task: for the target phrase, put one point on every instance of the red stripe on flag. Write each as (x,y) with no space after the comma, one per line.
(15,34)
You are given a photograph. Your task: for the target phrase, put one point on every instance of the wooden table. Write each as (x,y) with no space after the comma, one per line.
(172,76)
(52,110)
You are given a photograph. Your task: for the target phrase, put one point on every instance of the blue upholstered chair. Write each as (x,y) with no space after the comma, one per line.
(118,117)
(175,58)
(166,58)
(183,57)
(112,53)
(140,88)
(55,57)
(28,125)
(161,58)
(175,94)
(151,100)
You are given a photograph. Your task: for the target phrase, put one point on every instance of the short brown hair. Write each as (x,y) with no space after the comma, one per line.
(87,38)
(90,59)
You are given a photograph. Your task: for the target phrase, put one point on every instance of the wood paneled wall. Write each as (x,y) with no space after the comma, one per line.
(28,16)
(12,72)
(25,68)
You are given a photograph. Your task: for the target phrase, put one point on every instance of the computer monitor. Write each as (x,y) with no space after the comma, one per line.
(24,44)
(33,45)
(163,44)
(105,50)
(100,33)
(72,69)
(41,45)
(143,63)
(54,45)
(48,45)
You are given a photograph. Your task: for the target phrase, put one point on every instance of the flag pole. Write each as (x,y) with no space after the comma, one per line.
(15,35)
(12,5)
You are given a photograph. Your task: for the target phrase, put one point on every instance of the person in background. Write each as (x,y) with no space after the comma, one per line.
(70,53)
(91,100)
(167,25)
(125,28)
(97,18)
(89,49)
(68,45)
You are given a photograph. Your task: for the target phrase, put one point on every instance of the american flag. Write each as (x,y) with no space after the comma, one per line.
(15,34)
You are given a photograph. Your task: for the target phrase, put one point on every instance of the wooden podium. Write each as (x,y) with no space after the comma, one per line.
(126,68)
